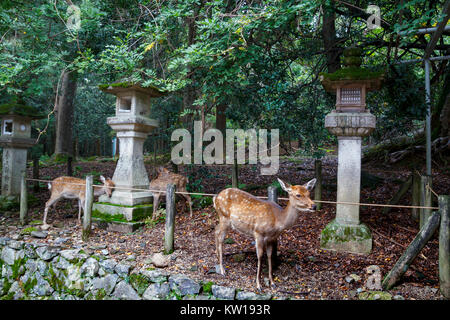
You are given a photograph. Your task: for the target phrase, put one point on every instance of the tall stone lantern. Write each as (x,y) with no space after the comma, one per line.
(350,122)
(15,139)
(132,125)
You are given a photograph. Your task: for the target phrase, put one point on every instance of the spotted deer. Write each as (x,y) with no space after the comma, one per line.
(73,188)
(160,184)
(262,219)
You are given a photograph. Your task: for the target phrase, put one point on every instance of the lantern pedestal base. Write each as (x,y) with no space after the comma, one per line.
(14,163)
(120,218)
(346,238)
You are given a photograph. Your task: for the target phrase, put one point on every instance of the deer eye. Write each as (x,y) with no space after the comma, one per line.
(298,195)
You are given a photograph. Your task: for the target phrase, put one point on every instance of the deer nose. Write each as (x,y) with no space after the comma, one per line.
(313,207)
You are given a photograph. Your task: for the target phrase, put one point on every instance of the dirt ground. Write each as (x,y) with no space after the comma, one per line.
(305,271)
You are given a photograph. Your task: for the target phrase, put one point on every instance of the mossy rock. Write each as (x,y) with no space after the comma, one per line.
(375,295)
(28,230)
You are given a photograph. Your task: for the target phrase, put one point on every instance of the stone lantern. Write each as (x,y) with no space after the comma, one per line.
(132,125)
(350,121)
(15,139)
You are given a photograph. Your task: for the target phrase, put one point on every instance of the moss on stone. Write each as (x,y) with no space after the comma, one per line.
(17,269)
(125,84)
(6,286)
(100,294)
(375,295)
(28,285)
(109,217)
(207,287)
(139,282)
(21,110)
(55,282)
(352,73)
(125,206)
(336,232)
(140,212)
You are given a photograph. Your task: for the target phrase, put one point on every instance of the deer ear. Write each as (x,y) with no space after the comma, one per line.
(285,186)
(310,184)
(102,179)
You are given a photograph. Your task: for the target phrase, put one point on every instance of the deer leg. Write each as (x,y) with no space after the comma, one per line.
(189,201)
(155,204)
(80,205)
(259,253)
(221,231)
(48,204)
(269,251)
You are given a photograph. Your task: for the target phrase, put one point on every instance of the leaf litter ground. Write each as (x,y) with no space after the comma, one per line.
(305,271)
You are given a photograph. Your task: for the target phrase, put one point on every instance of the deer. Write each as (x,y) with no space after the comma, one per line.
(263,220)
(73,188)
(160,184)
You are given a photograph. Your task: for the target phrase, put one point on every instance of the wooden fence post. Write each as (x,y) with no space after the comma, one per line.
(444,246)
(425,199)
(318,186)
(235,174)
(170,219)
(412,251)
(88,208)
(415,213)
(401,192)
(23,199)
(273,196)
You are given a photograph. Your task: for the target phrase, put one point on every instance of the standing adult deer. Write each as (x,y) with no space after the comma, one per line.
(264,220)
(160,184)
(73,188)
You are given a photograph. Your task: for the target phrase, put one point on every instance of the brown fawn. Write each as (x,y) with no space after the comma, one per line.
(160,184)
(73,188)
(262,219)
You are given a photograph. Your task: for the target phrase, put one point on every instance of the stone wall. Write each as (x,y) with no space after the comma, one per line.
(38,271)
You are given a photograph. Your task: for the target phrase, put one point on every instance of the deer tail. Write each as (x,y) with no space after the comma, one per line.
(214,202)
(49,186)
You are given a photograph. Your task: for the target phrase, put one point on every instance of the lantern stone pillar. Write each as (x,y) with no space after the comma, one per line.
(132,125)
(15,139)
(350,122)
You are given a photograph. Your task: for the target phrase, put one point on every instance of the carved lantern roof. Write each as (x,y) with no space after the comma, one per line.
(351,82)
(19,109)
(352,73)
(127,86)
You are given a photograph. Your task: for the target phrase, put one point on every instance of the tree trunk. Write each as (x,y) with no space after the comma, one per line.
(329,37)
(412,251)
(221,124)
(65,108)
(444,246)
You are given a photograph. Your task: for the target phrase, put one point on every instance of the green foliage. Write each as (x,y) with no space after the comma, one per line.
(259,58)
(201,201)
(139,282)
(28,230)
(161,218)
(207,287)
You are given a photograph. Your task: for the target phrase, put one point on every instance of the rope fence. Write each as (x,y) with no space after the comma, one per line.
(260,197)
(429,222)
